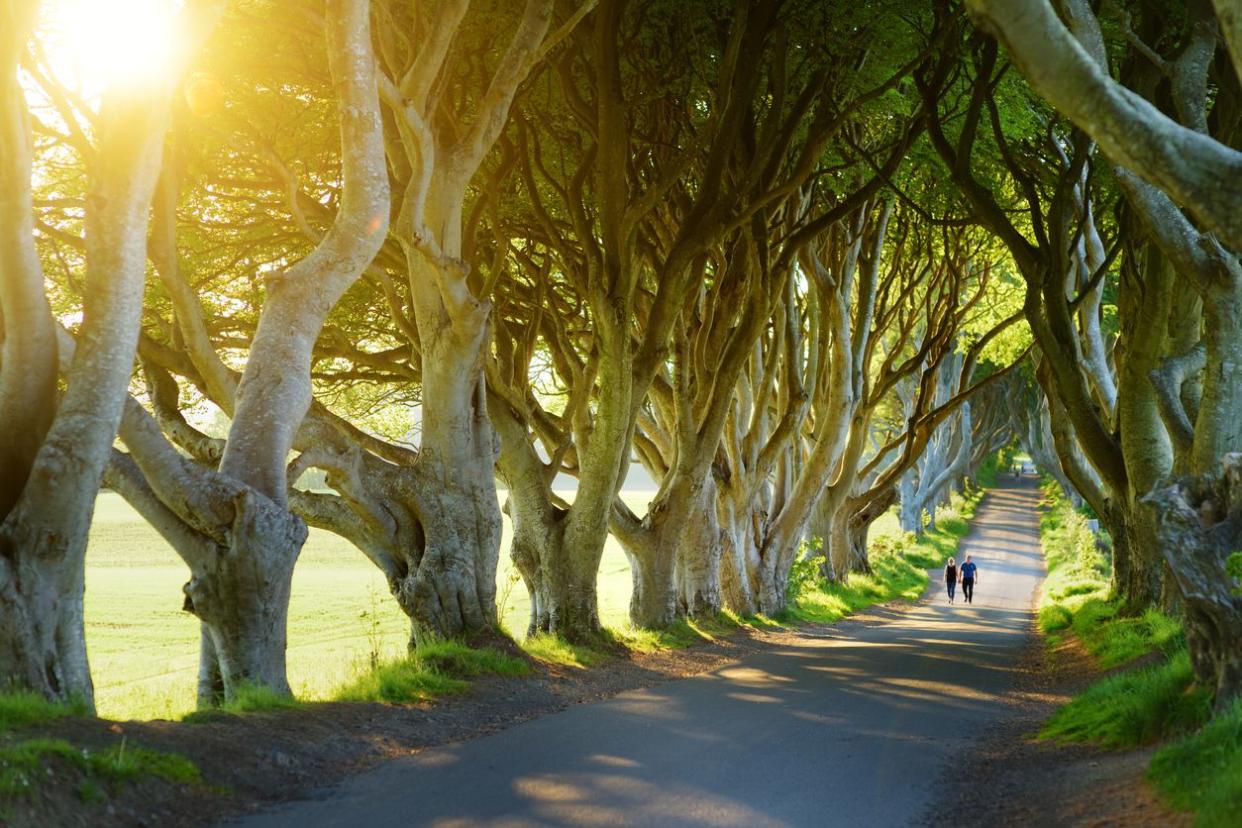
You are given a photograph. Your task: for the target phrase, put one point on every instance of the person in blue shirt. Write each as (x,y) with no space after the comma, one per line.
(969,578)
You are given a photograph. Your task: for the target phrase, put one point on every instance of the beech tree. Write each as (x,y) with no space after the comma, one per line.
(55,445)
(1168,166)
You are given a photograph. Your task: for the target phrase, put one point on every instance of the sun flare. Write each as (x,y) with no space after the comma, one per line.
(96,44)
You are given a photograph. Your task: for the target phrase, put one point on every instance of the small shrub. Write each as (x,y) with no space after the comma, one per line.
(436,668)
(1054,618)
(400,682)
(248,698)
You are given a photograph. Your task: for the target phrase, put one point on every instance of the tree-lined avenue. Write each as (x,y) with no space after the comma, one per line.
(887,701)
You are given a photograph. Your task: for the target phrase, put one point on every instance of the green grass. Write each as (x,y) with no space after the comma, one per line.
(22,708)
(434,669)
(144,649)
(249,698)
(1134,707)
(1078,568)
(899,565)
(1148,704)
(553,649)
(22,766)
(613,641)
(452,658)
(1203,771)
(1115,641)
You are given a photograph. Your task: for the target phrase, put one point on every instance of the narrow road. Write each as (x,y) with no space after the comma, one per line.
(850,726)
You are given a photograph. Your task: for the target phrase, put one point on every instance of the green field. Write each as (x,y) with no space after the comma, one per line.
(144,648)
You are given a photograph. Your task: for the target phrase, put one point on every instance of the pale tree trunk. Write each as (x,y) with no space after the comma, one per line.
(48,510)
(739,558)
(243,596)
(945,458)
(453,590)
(700,554)
(558,548)
(1200,525)
(237,534)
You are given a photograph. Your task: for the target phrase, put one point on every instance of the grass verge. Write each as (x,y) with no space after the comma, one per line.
(1203,771)
(434,669)
(1135,707)
(22,708)
(1200,770)
(26,765)
(614,641)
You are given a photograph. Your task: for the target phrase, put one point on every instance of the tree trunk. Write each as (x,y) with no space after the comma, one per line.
(1200,525)
(653,603)
(44,524)
(43,646)
(242,597)
(700,551)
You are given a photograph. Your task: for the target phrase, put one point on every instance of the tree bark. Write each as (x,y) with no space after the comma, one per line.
(1200,525)
(43,531)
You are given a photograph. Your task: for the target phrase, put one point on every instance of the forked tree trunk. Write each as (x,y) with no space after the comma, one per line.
(556,551)
(242,598)
(1200,525)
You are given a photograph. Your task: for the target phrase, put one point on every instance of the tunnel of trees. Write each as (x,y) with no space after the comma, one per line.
(801,261)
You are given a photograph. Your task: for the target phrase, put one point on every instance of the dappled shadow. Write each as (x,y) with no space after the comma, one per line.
(846,724)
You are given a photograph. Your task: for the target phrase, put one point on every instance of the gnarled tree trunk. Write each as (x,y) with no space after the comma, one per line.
(1200,525)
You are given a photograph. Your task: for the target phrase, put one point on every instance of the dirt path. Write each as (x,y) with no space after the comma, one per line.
(848,725)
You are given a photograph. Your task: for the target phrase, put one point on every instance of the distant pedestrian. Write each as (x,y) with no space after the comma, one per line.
(969,576)
(950,578)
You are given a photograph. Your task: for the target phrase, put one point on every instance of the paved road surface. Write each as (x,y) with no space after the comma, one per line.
(848,727)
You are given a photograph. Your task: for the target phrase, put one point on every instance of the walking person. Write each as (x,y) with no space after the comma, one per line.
(969,576)
(950,578)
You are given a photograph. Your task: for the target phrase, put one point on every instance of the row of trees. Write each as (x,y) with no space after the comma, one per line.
(787,256)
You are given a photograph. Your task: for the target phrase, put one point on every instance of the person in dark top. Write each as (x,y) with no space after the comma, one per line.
(969,577)
(950,578)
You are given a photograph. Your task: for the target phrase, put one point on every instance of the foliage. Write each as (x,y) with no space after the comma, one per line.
(21,766)
(21,708)
(1203,771)
(1234,565)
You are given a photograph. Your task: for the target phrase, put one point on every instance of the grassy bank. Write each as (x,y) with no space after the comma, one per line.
(1154,700)
(29,764)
